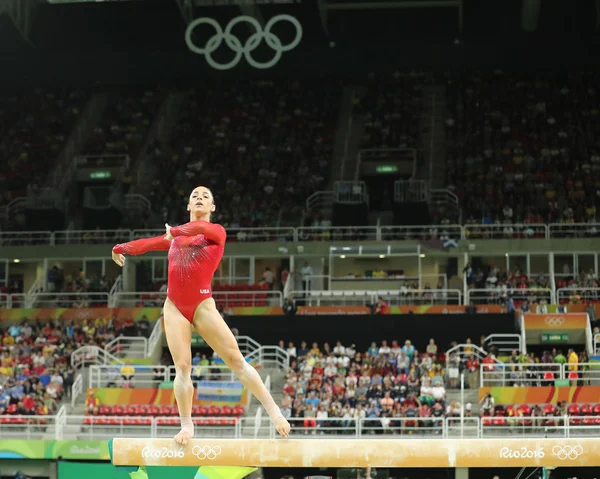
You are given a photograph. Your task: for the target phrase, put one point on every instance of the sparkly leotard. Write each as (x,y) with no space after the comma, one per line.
(194,254)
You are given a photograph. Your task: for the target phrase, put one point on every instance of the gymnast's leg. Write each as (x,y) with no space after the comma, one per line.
(179,338)
(211,326)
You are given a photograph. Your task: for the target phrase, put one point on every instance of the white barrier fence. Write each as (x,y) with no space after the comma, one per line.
(228,298)
(500,296)
(538,374)
(331,233)
(104,427)
(152,376)
(392,297)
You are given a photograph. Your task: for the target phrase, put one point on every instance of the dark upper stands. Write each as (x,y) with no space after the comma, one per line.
(262,147)
(524,147)
(35,125)
(126,121)
(392,109)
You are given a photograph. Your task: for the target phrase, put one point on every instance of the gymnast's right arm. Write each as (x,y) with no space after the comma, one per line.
(141,246)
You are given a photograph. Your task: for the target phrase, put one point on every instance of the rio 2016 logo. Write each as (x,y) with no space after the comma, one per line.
(522,453)
(162,453)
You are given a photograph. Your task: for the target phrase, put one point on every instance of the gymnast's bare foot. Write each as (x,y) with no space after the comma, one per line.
(282,426)
(183,436)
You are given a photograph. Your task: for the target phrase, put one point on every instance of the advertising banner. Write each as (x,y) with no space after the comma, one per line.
(542,395)
(426,309)
(352,453)
(161,396)
(332,310)
(38,449)
(52,314)
(443,309)
(554,322)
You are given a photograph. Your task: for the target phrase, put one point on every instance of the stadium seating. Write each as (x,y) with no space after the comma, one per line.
(35,125)
(521,148)
(392,111)
(126,121)
(262,146)
(167,414)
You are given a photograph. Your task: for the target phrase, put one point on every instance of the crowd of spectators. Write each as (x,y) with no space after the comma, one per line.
(35,124)
(389,386)
(35,360)
(523,148)
(262,146)
(392,110)
(125,123)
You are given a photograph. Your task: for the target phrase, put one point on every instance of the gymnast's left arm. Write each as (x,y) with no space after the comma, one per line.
(214,232)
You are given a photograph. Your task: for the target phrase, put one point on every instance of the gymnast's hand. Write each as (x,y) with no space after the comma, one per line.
(118,258)
(168,236)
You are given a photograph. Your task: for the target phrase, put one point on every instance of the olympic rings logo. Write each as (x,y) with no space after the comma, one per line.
(567,452)
(206,452)
(554,321)
(236,45)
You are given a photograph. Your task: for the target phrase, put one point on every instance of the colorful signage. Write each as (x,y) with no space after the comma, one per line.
(555,338)
(78,314)
(553,322)
(361,453)
(37,449)
(157,397)
(448,309)
(542,395)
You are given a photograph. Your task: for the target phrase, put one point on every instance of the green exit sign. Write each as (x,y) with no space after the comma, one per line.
(386,169)
(100,175)
(555,338)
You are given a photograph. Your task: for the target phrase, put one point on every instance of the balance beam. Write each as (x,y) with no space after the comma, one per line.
(430,453)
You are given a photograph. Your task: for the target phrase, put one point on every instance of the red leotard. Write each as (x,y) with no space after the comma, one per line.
(194,254)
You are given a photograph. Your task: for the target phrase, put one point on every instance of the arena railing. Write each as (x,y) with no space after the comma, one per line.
(500,296)
(539,374)
(5,301)
(318,233)
(75,237)
(247,235)
(270,356)
(128,347)
(391,297)
(403,233)
(152,376)
(69,427)
(585,294)
(506,231)
(226,298)
(574,230)
(32,427)
(92,355)
(76,389)
(520,375)
(70,300)
(338,233)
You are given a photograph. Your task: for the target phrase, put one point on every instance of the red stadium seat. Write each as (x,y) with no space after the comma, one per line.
(549,409)
(226,410)
(203,411)
(154,410)
(586,409)
(238,410)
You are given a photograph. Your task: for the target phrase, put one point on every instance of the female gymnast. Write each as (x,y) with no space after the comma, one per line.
(195,251)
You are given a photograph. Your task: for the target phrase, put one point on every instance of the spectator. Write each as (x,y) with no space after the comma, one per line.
(92,404)
(487,405)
